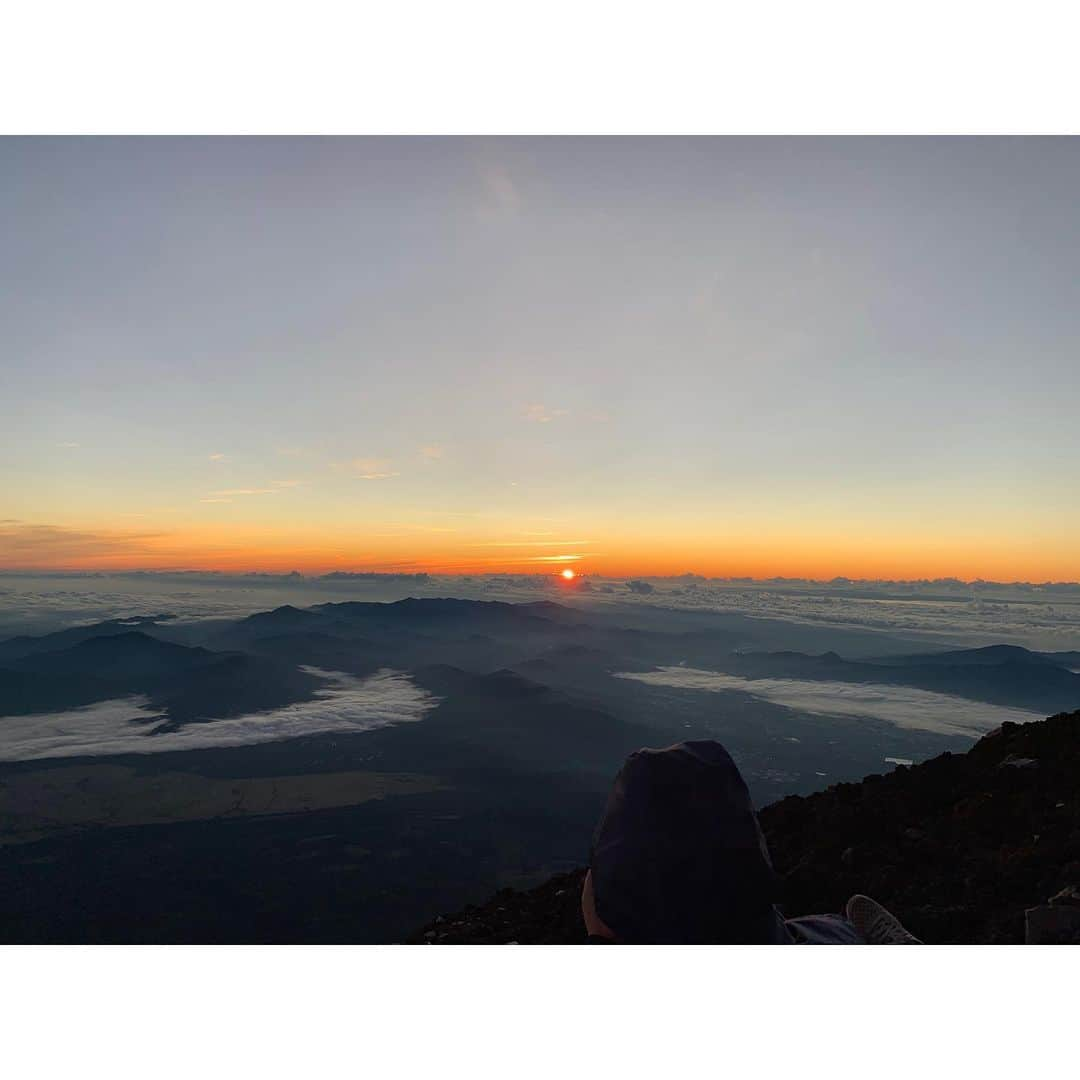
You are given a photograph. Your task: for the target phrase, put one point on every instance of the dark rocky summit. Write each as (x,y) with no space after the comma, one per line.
(960,847)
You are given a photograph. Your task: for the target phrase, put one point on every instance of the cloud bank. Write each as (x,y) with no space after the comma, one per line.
(1040,617)
(906,707)
(128,726)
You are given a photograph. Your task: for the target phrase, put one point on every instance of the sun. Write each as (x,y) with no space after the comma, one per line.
(569,574)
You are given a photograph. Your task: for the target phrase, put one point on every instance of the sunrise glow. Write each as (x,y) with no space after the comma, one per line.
(403,384)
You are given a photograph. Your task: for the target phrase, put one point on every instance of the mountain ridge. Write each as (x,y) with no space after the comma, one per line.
(960,847)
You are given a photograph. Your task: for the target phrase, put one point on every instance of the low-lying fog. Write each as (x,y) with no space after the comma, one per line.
(128,726)
(906,707)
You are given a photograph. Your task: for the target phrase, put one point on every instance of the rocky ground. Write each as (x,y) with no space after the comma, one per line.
(959,847)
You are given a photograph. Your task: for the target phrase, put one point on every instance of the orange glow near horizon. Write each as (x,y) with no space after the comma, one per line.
(470,549)
(466,357)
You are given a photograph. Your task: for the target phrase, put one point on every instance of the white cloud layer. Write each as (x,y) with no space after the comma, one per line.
(127,726)
(904,706)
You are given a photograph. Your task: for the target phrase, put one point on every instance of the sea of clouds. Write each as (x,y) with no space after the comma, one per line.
(906,707)
(345,705)
(1038,617)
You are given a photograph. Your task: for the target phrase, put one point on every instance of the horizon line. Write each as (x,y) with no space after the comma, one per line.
(688,576)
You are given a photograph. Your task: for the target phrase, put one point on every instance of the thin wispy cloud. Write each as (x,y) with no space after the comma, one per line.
(541,414)
(904,706)
(367,468)
(432,453)
(453,513)
(23,544)
(216,457)
(69,445)
(286,483)
(230,492)
(534,543)
(414,528)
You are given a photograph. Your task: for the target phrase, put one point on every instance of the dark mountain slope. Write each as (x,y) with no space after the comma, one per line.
(357,656)
(1036,684)
(131,656)
(1029,686)
(990,654)
(505,724)
(959,847)
(98,667)
(24,645)
(233,685)
(360,636)
(189,684)
(280,620)
(437,610)
(29,692)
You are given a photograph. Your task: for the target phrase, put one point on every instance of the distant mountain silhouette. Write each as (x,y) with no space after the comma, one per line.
(989,655)
(131,655)
(24,645)
(1001,674)
(442,608)
(232,685)
(100,666)
(188,683)
(1065,659)
(526,726)
(356,655)
(546,641)
(279,619)
(24,692)
(506,721)
(569,658)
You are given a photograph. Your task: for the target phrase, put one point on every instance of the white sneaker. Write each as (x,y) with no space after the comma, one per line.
(877,925)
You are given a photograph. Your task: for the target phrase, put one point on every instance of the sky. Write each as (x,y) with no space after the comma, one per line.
(643,356)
